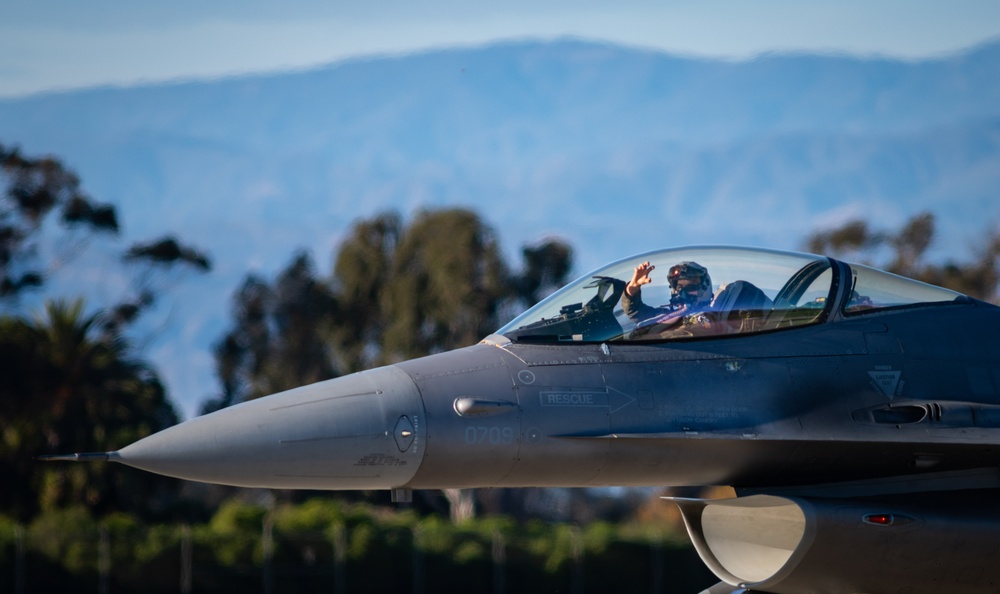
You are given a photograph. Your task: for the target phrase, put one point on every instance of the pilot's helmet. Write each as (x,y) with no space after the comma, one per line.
(690,284)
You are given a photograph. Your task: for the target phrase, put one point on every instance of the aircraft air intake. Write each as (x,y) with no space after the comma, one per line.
(790,545)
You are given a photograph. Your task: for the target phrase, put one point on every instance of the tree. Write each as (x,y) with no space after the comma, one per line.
(546,266)
(433,285)
(35,188)
(70,380)
(361,272)
(904,251)
(396,293)
(68,387)
(278,339)
(154,267)
(445,287)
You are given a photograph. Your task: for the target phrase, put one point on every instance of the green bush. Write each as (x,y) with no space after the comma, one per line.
(69,537)
(382,549)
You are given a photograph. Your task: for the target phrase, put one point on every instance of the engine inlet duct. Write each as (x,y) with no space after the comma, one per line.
(799,545)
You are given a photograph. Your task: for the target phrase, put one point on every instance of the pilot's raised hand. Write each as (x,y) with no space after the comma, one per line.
(640,276)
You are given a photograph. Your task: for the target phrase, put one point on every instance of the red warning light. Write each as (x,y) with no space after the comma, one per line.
(879,519)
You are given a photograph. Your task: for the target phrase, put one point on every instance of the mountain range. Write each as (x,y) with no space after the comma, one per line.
(615,149)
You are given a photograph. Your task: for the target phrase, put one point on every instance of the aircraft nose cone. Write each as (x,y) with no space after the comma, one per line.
(360,431)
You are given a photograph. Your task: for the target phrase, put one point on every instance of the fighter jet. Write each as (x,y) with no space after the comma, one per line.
(856,414)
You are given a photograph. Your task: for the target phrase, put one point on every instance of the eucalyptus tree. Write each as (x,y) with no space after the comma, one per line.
(904,252)
(445,287)
(437,283)
(361,275)
(33,189)
(277,339)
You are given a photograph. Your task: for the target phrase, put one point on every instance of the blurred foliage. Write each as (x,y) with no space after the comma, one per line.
(34,188)
(445,287)
(49,530)
(71,380)
(234,532)
(168,251)
(903,252)
(397,291)
(278,337)
(68,387)
(153,267)
(546,266)
(434,285)
(379,550)
(360,272)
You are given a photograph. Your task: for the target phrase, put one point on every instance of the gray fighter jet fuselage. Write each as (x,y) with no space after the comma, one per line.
(856,413)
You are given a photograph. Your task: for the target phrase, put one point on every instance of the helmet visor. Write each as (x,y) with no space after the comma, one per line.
(685,270)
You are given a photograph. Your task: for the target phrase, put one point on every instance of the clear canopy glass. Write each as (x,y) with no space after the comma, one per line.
(877,289)
(746,291)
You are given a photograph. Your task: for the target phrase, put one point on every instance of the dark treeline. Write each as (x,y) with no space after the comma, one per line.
(324,545)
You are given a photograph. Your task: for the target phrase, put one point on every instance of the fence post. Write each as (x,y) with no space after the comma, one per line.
(267,544)
(656,580)
(339,559)
(19,559)
(418,561)
(576,544)
(499,562)
(104,560)
(185,559)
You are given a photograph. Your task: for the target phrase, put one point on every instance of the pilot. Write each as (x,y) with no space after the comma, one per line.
(690,293)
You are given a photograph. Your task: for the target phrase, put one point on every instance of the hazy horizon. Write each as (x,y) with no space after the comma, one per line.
(58,45)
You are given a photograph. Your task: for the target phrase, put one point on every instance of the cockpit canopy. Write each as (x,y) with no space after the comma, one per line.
(754,290)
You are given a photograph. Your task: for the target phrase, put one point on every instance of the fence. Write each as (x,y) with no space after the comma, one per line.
(259,550)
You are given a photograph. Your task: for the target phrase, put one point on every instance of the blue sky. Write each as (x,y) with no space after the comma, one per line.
(65,44)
